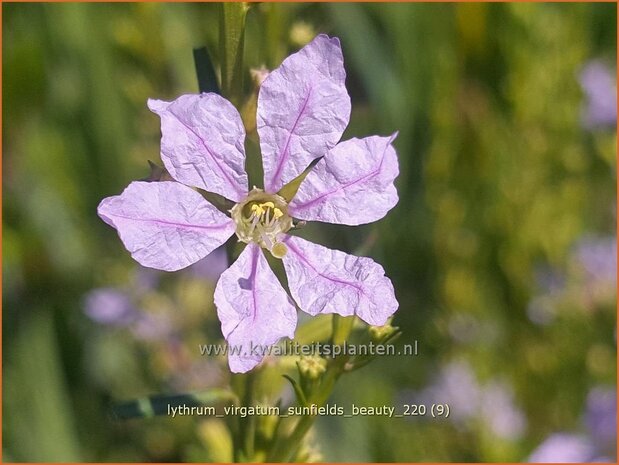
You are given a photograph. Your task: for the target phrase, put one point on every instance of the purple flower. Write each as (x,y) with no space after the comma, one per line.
(457,386)
(563,448)
(600,86)
(598,257)
(601,417)
(109,306)
(493,403)
(500,413)
(303,109)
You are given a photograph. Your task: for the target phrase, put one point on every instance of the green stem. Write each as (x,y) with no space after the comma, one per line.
(342,326)
(231,40)
(248,426)
(236,429)
(231,43)
(284,450)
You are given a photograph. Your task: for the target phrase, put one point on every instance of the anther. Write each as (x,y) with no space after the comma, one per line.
(279,250)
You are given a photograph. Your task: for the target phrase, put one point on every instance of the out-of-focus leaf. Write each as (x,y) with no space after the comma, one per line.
(232,38)
(317,329)
(161,404)
(38,417)
(207,80)
(297,390)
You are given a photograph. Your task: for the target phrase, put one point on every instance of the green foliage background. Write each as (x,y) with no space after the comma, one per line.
(498,179)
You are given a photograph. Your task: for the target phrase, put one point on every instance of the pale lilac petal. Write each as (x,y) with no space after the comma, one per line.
(202,143)
(322,280)
(303,109)
(254,309)
(165,225)
(352,184)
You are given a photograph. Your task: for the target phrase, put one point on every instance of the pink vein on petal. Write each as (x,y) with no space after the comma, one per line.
(207,148)
(170,223)
(344,186)
(284,155)
(299,254)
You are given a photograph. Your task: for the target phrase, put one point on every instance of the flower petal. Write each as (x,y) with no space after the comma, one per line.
(303,109)
(254,309)
(322,280)
(352,185)
(202,139)
(165,225)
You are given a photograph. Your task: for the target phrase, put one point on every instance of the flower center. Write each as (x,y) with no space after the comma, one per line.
(262,218)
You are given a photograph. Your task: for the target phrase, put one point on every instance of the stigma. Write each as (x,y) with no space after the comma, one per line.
(263,219)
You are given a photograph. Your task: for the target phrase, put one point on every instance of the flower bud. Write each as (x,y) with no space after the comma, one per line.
(312,366)
(380,333)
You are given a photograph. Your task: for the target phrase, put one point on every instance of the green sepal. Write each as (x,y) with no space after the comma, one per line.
(316,329)
(157,173)
(290,190)
(205,71)
(218,201)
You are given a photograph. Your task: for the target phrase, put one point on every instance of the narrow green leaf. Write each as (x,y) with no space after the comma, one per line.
(207,80)
(297,390)
(219,201)
(231,40)
(316,329)
(160,405)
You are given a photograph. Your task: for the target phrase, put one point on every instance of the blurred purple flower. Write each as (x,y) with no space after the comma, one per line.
(500,413)
(457,386)
(550,283)
(601,417)
(493,403)
(303,109)
(152,327)
(110,306)
(563,448)
(146,279)
(600,86)
(598,257)
(549,280)
(599,445)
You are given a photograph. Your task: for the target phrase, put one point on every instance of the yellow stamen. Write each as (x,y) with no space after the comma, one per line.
(262,218)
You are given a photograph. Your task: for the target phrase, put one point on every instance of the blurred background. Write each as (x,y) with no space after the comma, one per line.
(502,248)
